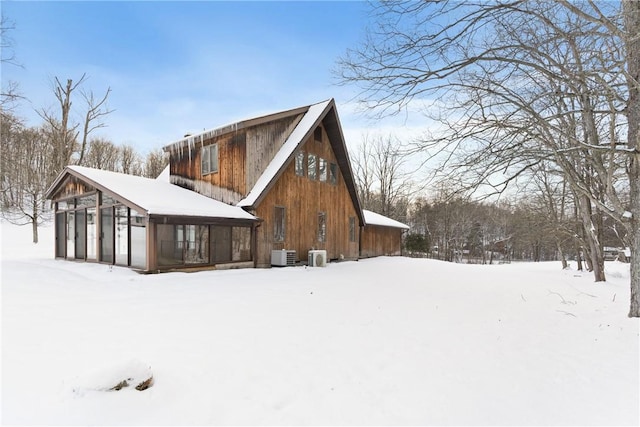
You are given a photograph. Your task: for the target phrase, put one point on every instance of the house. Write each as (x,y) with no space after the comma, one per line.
(238,193)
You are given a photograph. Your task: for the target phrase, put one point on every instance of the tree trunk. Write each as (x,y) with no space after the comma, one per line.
(631,11)
(595,254)
(34,230)
(563,258)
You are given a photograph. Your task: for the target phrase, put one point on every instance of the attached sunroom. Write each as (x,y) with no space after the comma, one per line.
(146,224)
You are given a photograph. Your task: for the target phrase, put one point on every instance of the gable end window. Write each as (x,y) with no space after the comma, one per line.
(209,160)
(333,173)
(322,166)
(311,166)
(317,134)
(300,157)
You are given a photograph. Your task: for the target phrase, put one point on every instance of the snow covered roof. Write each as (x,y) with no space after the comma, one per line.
(372,218)
(154,196)
(298,135)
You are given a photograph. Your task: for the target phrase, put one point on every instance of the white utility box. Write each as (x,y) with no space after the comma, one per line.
(283,258)
(317,258)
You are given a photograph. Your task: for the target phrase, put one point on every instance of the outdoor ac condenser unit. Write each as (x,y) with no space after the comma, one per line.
(317,258)
(283,258)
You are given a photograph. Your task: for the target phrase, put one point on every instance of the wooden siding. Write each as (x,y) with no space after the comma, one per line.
(72,186)
(263,143)
(242,157)
(303,199)
(377,240)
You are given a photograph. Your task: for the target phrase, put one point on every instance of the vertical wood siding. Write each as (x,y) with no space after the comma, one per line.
(303,199)
(242,157)
(378,241)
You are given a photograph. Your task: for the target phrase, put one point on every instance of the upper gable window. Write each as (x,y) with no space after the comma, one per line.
(333,173)
(311,166)
(322,166)
(317,134)
(300,158)
(209,160)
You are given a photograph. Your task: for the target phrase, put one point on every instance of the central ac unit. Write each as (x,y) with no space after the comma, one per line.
(283,258)
(317,258)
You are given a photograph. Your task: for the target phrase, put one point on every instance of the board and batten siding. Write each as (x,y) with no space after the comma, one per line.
(303,199)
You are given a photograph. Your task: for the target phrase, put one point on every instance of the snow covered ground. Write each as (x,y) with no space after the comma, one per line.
(386,341)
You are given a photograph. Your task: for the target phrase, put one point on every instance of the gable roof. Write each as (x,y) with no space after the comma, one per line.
(151,196)
(314,114)
(372,218)
(309,122)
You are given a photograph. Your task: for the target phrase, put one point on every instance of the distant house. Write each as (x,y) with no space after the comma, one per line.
(232,196)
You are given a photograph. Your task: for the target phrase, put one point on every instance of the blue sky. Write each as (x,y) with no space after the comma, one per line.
(178,67)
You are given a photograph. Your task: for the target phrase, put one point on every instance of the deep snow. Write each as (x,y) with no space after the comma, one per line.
(384,341)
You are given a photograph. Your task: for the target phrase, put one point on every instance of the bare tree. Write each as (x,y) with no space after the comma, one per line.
(96,109)
(155,162)
(130,162)
(26,175)
(384,184)
(9,94)
(64,130)
(102,154)
(529,81)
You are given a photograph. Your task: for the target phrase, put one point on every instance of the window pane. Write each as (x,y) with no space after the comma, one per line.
(122,235)
(71,235)
(80,234)
(106,235)
(322,226)
(241,243)
(279,224)
(221,243)
(88,201)
(61,228)
(300,163)
(196,244)
(138,240)
(333,173)
(205,163)
(323,170)
(91,233)
(168,248)
(107,200)
(311,169)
